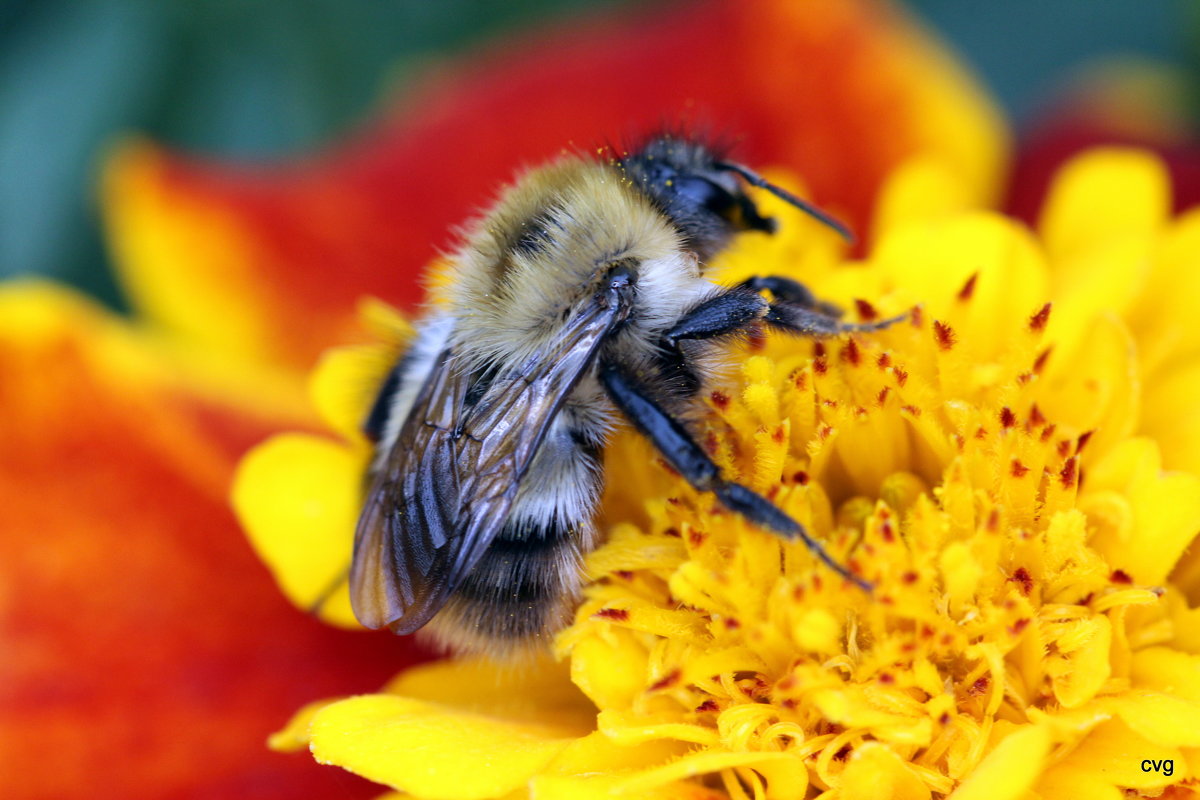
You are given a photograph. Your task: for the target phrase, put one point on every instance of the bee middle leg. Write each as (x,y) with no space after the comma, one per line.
(640,405)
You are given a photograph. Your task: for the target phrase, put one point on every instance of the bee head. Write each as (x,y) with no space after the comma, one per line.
(702,194)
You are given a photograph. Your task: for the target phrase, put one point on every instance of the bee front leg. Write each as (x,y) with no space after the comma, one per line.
(735,309)
(669,436)
(807,322)
(790,291)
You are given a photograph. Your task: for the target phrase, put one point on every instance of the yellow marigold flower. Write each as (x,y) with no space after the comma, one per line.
(1016,469)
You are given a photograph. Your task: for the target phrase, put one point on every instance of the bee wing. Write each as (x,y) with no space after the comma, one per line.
(448,484)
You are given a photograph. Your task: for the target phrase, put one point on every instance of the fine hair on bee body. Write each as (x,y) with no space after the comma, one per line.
(577,302)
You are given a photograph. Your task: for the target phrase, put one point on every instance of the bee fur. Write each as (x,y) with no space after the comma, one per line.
(610,251)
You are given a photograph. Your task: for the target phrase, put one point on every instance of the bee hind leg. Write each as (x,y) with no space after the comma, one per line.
(669,436)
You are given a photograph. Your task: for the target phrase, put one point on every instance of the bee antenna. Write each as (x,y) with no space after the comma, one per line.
(754,179)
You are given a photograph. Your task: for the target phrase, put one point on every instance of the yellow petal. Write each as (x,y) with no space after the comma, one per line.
(1164,316)
(596,752)
(1010,769)
(1095,387)
(1009,275)
(1167,670)
(610,668)
(1067,783)
(1102,194)
(431,751)
(1166,508)
(630,729)
(1085,667)
(1168,416)
(1115,753)
(144,237)
(297,496)
(345,382)
(604,787)
(482,686)
(788,776)
(294,736)
(1160,718)
(922,189)
(875,772)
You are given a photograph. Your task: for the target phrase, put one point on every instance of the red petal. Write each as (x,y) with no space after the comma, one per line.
(838,92)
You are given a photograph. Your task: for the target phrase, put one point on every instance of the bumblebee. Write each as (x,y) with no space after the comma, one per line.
(577,301)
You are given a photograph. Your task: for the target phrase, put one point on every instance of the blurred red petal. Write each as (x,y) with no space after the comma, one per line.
(838,92)
(147,654)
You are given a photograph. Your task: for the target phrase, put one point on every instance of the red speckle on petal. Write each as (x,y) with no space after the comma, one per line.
(993,521)
(720,399)
(668,680)
(1018,469)
(943,334)
(613,614)
(1039,363)
(1068,475)
(1036,418)
(1037,322)
(1023,580)
(866,311)
(1007,417)
(1120,576)
(968,289)
(851,353)
(884,361)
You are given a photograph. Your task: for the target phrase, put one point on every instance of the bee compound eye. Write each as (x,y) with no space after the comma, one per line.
(703,193)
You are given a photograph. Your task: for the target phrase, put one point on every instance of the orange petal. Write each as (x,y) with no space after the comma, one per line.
(146,650)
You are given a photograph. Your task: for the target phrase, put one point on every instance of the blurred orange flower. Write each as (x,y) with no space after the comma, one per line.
(147,654)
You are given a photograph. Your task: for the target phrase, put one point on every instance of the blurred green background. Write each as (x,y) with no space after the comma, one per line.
(262,79)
